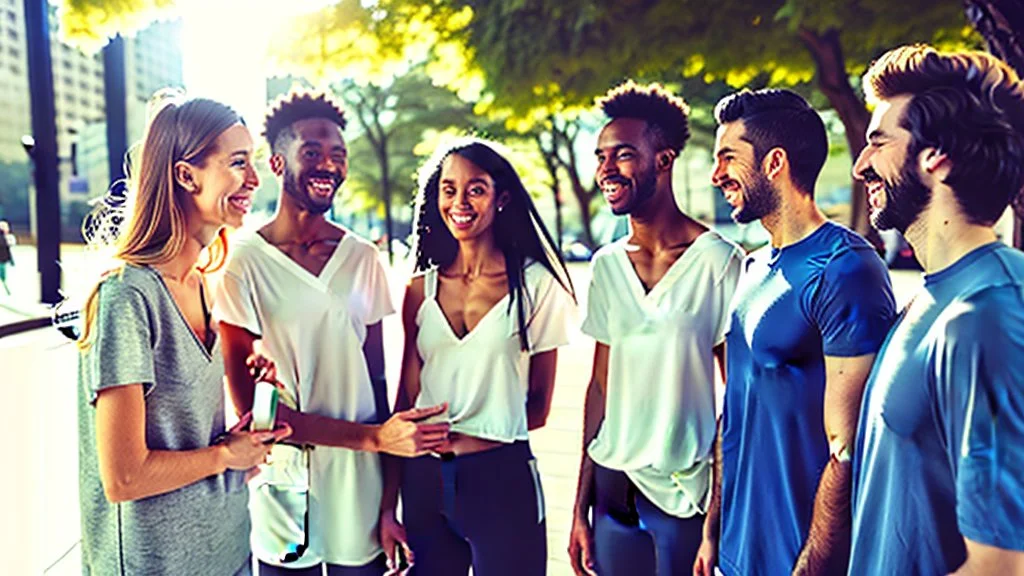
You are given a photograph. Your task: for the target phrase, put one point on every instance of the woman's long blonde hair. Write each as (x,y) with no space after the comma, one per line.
(156,232)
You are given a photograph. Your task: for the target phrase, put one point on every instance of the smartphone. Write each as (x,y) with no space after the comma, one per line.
(264,406)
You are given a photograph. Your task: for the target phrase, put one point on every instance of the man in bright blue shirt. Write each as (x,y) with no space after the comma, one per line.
(939,461)
(811,310)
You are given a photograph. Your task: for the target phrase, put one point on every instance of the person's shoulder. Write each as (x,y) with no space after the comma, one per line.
(718,246)
(127,283)
(360,246)
(848,251)
(243,247)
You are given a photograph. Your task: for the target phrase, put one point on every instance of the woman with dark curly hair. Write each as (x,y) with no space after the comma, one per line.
(484,316)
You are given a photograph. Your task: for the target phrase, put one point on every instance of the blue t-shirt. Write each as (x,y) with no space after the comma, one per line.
(940,445)
(826,295)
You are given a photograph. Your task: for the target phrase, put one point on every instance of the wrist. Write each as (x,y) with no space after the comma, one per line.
(220,458)
(373,440)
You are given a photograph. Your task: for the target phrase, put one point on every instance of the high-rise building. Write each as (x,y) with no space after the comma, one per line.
(153,60)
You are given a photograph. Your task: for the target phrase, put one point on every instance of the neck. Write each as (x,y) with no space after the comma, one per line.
(291,222)
(659,224)
(796,218)
(477,256)
(941,239)
(178,268)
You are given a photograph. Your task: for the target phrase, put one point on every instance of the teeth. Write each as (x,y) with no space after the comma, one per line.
(241,202)
(462,218)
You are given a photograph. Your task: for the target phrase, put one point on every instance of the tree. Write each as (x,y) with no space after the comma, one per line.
(392,121)
(383,81)
(1001,23)
(545,54)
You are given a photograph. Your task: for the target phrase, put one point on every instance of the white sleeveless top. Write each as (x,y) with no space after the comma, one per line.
(484,376)
(660,408)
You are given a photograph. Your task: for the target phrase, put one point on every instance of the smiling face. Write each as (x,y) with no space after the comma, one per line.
(467,198)
(738,173)
(626,173)
(314,164)
(225,180)
(895,193)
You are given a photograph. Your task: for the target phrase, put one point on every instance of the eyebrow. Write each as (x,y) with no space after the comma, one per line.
(471,181)
(724,151)
(877,133)
(616,148)
(242,152)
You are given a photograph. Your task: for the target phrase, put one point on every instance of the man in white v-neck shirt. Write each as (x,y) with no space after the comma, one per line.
(658,308)
(314,294)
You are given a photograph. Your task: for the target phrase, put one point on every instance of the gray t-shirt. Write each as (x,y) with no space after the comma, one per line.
(202,528)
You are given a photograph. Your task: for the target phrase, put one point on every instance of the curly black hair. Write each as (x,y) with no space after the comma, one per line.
(294,106)
(666,115)
(519,231)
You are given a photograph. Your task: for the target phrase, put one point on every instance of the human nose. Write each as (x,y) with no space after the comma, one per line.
(863,163)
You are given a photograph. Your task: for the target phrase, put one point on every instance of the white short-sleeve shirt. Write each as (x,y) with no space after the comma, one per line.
(484,376)
(660,409)
(313,328)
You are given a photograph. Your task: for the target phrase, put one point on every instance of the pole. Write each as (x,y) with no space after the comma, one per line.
(44,153)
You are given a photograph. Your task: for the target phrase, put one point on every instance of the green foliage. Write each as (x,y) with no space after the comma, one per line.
(555,54)
(88,24)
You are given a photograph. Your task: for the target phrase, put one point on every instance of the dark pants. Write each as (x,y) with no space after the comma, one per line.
(633,537)
(374,568)
(483,510)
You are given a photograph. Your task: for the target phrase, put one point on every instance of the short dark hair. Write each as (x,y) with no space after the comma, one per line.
(775,118)
(666,115)
(294,106)
(970,106)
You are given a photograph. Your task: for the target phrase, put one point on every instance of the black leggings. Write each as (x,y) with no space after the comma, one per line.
(484,509)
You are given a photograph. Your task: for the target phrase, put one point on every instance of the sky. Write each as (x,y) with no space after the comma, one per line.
(224,47)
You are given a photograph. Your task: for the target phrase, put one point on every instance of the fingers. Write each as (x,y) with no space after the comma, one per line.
(242,424)
(281,432)
(587,558)
(251,473)
(420,413)
(410,558)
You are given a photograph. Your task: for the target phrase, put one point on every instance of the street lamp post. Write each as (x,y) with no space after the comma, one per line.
(44,151)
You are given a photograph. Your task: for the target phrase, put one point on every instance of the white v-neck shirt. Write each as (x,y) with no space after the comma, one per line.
(313,328)
(660,408)
(484,376)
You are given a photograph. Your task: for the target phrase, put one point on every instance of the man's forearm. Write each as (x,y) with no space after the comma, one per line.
(827,549)
(324,431)
(713,522)
(392,475)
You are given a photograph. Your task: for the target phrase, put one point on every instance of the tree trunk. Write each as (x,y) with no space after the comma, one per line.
(552,167)
(834,82)
(1001,22)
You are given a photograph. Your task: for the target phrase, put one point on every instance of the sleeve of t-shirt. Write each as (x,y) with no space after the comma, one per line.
(853,305)
(122,349)
(595,324)
(552,316)
(979,385)
(375,288)
(234,303)
(724,292)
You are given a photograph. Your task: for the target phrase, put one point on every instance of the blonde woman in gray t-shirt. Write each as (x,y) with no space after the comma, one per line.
(161,482)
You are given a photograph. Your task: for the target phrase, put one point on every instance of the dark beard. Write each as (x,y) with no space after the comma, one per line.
(905,198)
(294,188)
(760,200)
(646,184)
